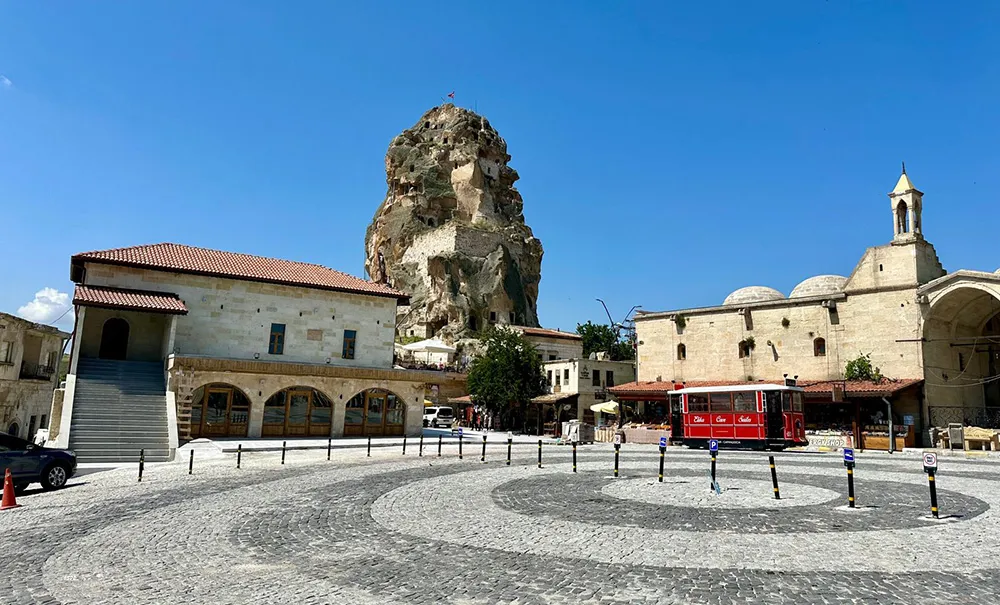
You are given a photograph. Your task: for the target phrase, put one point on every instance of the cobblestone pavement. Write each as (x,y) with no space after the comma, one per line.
(395,529)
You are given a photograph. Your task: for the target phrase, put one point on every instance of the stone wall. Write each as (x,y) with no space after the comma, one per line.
(145,337)
(232,319)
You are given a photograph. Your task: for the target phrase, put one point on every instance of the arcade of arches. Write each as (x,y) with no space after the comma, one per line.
(231,398)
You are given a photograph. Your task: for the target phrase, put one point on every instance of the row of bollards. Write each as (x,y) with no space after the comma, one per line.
(929,461)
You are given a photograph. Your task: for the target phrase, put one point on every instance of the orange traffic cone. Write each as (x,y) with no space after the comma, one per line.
(8,492)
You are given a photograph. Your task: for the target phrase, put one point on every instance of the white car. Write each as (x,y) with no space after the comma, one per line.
(438,417)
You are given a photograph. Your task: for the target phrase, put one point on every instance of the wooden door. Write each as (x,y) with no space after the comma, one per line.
(297,415)
(215,414)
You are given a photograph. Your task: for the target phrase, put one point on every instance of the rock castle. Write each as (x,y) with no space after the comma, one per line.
(451,232)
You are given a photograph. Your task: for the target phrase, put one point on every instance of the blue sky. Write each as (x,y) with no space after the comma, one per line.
(669,152)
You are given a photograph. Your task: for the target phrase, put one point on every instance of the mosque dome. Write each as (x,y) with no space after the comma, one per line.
(753,294)
(819,285)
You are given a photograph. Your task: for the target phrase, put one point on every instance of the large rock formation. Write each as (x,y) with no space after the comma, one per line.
(451,232)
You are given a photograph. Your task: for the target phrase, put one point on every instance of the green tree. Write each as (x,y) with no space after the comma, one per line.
(601,337)
(863,369)
(507,375)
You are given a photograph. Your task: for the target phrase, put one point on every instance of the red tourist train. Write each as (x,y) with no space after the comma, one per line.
(751,416)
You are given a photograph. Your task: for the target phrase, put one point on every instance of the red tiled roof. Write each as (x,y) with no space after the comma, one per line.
(660,387)
(133,300)
(462,399)
(861,388)
(549,333)
(202,261)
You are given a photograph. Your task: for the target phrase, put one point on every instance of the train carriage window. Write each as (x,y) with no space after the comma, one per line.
(745,402)
(721,402)
(786,401)
(697,403)
(797,402)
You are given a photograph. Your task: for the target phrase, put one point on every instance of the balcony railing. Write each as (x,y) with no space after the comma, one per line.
(36,371)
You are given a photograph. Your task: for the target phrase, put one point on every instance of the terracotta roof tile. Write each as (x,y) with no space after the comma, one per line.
(861,388)
(666,386)
(549,333)
(134,300)
(203,261)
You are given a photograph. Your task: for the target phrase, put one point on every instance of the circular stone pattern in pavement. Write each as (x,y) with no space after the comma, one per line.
(590,497)
(749,494)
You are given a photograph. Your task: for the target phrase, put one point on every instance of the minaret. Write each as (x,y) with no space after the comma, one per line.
(906,201)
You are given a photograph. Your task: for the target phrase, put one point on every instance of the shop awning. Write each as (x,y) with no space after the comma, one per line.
(857,388)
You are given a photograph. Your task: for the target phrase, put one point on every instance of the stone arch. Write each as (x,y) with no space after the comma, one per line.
(959,353)
(219,409)
(375,411)
(300,410)
(14,429)
(114,339)
(902,218)
(682,352)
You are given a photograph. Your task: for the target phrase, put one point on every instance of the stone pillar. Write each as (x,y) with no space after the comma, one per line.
(77,339)
(338,413)
(256,423)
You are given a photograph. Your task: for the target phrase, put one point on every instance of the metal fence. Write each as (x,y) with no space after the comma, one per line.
(942,416)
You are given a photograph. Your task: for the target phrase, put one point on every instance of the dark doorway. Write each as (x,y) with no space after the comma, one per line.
(114,339)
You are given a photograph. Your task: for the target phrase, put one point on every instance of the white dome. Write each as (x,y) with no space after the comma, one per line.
(819,285)
(752,294)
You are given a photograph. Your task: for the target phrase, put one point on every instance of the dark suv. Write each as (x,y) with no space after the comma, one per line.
(30,463)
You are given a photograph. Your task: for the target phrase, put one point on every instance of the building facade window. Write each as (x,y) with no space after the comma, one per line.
(44,424)
(32,422)
(550,376)
(52,361)
(610,379)
(566,376)
(595,379)
(493,317)
(350,338)
(276,344)
(744,350)
(552,357)
(558,383)
(682,352)
(512,318)
(6,351)
(819,347)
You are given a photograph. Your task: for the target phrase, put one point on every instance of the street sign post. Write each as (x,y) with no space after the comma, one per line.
(848,456)
(663,450)
(713,445)
(713,448)
(663,442)
(930,467)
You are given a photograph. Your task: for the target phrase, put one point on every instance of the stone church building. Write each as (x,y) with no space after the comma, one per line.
(934,335)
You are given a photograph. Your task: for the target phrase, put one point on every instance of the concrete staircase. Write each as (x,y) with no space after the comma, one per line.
(119,408)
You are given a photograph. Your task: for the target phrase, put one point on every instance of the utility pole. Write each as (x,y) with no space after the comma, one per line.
(628,325)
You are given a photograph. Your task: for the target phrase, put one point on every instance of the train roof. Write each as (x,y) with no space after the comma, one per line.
(734,388)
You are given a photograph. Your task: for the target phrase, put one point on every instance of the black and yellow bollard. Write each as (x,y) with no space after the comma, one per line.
(714,482)
(460,440)
(483,457)
(404,445)
(142,463)
(930,467)
(420,448)
(618,447)
(510,440)
(283,445)
(539,453)
(191,464)
(574,456)
(850,485)
(239,455)
(774,478)
(369,446)
(439,446)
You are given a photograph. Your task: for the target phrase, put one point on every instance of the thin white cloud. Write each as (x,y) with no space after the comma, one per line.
(50,305)
(5,81)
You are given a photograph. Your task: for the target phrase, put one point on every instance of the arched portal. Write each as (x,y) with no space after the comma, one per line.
(961,348)
(902,218)
(375,412)
(13,429)
(114,339)
(297,412)
(219,410)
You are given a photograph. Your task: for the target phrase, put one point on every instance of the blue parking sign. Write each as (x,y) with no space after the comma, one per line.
(848,454)
(663,442)
(713,445)
(459,431)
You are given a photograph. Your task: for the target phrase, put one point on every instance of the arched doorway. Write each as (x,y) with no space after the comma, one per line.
(962,356)
(13,429)
(297,411)
(114,339)
(375,412)
(219,410)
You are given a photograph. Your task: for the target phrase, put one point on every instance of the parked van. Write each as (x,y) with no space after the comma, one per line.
(439,417)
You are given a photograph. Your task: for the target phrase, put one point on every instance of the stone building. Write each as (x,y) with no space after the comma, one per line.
(935,336)
(552,344)
(30,354)
(589,379)
(177,342)
(451,231)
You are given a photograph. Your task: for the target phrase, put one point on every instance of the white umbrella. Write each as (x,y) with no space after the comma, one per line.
(431,345)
